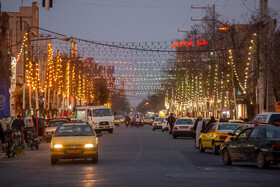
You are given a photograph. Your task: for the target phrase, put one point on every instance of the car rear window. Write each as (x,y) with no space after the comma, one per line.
(272,132)
(184,121)
(148,118)
(159,119)
(56,123)
(74,130)
(227,127)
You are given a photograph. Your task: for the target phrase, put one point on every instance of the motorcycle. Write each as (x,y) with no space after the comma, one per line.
(126,123)
(33,140)
(9,146)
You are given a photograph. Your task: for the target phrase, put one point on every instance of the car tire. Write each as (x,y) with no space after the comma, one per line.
(200,148)
(261,162)
(214,148)
(54,160)
(174,136)
(111,131)
(94,159)
(226,157)
(162,130)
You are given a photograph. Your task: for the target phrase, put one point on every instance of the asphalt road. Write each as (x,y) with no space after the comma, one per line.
(135,157)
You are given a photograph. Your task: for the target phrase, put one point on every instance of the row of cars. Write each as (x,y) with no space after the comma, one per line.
(235,141)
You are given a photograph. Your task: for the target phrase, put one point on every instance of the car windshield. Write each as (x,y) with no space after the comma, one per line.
(184,121)
(56,123)
(116,118)
(80,114)
(74,130)
(148,118)
(101,112)
(159,119)
(272,132)
(227,127)
(77,121)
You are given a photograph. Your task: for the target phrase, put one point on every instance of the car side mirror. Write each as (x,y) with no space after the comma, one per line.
(99,135)
(232,138)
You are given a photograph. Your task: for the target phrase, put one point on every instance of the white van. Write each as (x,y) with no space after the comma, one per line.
(100,118)
(267,117)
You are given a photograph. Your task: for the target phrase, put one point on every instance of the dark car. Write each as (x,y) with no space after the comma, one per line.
(259,144)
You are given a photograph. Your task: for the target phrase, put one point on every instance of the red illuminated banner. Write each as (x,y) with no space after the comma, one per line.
(190,43)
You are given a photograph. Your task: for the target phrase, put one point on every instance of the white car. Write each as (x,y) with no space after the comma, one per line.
(164,126)
(183,127)
(158,123)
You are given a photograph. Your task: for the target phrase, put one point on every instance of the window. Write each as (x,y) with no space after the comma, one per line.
(74,130)
(57,123)
(255,134)
(212,128)
(273,117)
(101,112)
(261,119)
(184,121)
(159,119)
(227,127)
(244,134)
(272,132)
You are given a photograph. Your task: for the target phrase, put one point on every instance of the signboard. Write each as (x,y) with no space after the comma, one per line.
(4,100)
(185,43)
(277,107)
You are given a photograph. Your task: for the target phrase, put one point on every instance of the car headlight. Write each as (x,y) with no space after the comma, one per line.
(89,145)
(57,146)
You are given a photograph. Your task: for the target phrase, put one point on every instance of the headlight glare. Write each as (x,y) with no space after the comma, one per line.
(89,145)
(57,146)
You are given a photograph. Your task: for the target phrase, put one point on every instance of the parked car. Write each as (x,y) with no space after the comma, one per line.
(148,120)
(183,127)
(157,123)
(215,135)
(72,141)
(259,144)
(164,125)
(52,125)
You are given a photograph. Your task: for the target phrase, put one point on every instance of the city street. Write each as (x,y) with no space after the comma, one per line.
(135,157)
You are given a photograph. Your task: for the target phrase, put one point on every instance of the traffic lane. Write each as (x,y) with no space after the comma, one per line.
(136,156)
(174,161)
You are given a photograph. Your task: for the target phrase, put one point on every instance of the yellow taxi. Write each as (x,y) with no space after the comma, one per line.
(215,135)
(74,140)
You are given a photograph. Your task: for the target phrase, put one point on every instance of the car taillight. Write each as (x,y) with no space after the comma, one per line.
(191,128)
(223,137)
(163,122)
(275,146)
(175,128)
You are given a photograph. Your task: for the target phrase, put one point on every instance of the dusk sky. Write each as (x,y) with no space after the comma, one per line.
(133,20)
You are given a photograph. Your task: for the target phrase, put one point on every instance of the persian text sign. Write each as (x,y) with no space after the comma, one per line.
(199,42)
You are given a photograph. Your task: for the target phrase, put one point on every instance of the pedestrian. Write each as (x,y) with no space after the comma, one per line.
(277,122)
(18,125)
(224,118)
(171,120)
(198,128)
(212,120)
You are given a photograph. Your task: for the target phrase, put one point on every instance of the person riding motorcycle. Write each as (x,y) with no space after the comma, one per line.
(138,120)
(127,119)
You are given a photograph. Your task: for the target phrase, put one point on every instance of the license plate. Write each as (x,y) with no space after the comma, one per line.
(74,151)
(184,127)
(105,126)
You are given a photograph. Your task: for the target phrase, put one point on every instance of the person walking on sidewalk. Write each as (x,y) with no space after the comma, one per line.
(171,120)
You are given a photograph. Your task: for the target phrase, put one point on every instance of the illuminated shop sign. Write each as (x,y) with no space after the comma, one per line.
(185,43)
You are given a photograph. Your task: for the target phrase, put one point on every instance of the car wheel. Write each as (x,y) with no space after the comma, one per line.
(162,130)
(54,160)
(214,148)
(201,149)
(174,136)
(226,157)
(261,162)
(94,159)
(111,131)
